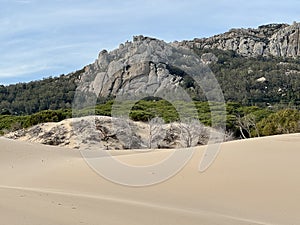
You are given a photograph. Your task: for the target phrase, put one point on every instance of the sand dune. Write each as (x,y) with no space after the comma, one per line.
(255,181)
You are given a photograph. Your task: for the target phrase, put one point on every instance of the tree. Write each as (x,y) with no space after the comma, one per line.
(156,132)
(192,132)
(246,124)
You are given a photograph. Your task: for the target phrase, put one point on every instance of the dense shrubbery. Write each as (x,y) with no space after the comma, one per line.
(10,123)
(242,121)
(238,76)
(282,122)
(146,110)
(48,116)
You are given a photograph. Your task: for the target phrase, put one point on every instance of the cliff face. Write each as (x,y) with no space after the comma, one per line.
(143,66)
(279,40)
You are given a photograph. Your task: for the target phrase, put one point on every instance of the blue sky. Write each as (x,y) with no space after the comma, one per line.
(42,38)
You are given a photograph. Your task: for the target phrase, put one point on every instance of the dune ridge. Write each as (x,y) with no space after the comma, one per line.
(254,181)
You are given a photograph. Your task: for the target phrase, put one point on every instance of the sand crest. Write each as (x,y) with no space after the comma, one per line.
(255,181)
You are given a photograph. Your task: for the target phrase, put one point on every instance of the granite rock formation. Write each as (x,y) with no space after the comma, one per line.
(278,40)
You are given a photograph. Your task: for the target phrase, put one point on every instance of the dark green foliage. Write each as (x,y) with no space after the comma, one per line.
(28,98)
(9,123)
(267,121)
(146,110)
(141,116)
(12,123)
(238,76)
(104,109)
(282,122)
(48,116)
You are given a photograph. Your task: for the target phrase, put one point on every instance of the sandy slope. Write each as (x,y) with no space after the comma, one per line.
(251,182)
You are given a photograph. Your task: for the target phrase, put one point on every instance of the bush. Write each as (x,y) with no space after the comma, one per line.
(282,122)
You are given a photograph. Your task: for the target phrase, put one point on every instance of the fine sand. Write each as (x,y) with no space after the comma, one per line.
(255,181)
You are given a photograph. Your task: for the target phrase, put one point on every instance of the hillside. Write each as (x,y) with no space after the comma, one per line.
(256,84)
(35,96)
(270,76)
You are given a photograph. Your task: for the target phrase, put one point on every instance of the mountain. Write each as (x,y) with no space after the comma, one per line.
(252,66)
(139,69)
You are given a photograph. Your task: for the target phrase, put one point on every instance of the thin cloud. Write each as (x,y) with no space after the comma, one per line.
(23,1)
(22,69)
(63,35)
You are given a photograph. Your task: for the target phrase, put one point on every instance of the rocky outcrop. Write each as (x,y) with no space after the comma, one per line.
(141,66)
(208,58)
(279,40)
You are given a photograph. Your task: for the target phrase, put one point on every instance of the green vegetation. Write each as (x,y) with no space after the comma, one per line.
(282,122)
(255,107)
(10,123)
(242,121)
(238,76)
(28,98)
